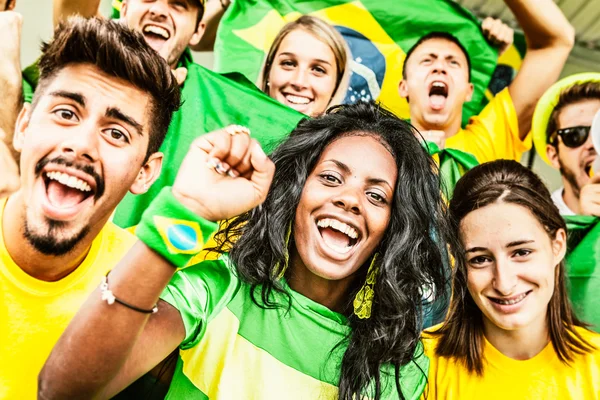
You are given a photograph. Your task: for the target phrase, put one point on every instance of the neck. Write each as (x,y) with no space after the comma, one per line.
(519,344)
(450,129)
(332,294)
(44,267)
(571,197)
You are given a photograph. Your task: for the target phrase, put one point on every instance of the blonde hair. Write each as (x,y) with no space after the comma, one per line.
(322,31)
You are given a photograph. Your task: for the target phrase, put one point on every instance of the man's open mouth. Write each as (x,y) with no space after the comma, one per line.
(438,93)
(65,190)
(155,31)
(337,235)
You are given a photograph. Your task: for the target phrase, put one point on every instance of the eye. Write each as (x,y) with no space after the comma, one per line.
(287,63)
(180,4)
(426,61)
(66,114)
(117,135)
(377,197)
(522,253)
(319,70)
(454,63)
(479,261)
(330,179)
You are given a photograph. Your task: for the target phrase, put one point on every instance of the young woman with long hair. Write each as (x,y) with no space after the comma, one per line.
(511,332)
(318,291)
(307,67)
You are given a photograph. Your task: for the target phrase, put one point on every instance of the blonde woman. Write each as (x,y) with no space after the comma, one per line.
(307,67)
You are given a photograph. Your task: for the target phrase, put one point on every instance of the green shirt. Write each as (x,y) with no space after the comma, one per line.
(234,349)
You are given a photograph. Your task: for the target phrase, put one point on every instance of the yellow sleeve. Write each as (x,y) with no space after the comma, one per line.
(494,133)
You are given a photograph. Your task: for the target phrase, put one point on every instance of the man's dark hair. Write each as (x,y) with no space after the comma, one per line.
(119,52)
(581,91)
(437,35)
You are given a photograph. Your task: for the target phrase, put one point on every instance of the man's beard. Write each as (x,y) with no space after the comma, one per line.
(569,175)
(48,244)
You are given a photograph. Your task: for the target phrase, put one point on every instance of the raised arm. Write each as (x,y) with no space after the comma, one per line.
(106,347)
(10,73)
(63,9)
(212,17)
(550,38)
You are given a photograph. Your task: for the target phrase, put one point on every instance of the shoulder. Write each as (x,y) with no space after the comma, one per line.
(591,337)
(115,239)
(430,339)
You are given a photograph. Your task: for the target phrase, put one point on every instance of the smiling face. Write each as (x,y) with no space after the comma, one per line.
(82,148)
(168,26)
(575,163)
(511,265)
(437,84)
(303,73)
(345,208)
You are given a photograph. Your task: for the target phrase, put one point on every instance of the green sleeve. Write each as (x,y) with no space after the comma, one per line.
(199,292)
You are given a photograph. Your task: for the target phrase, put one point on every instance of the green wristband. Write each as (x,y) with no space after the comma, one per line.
(172,230)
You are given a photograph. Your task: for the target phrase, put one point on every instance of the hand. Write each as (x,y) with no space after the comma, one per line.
(224,174)
(180,74)
(498,34)
(9,178)
(437,137)
(10,45)
(589,198)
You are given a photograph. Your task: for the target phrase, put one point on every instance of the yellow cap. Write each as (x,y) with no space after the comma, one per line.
(546,105)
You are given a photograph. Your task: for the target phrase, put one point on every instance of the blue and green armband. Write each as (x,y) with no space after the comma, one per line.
(172,230)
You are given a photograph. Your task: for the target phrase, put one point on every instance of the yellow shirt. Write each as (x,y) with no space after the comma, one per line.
(494,133)
(34,313)
(543,377)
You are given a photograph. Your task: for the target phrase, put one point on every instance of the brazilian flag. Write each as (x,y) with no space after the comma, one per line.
(378,32)
(583,267)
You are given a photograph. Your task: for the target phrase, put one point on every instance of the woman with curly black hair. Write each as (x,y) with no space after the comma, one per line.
(318,291)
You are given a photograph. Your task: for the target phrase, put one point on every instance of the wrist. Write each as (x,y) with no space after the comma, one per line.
(172,230)
(193,205)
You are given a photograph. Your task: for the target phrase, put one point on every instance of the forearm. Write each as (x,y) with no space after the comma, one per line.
(212,17)
(10,92)
(63,9)
(101,336)
(543,24)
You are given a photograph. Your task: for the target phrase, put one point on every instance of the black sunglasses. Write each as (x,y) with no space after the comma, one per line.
(572,137)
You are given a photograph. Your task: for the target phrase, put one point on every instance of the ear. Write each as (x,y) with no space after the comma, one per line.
(11,5)
(552,153)
(559,246)
(198,34)
(148,174)
(470,91)
(403,89)
(21,127)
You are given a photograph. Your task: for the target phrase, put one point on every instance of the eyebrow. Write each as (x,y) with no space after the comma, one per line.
(76,97)
(294,55)
(114,112)
(508,246)
(372,181)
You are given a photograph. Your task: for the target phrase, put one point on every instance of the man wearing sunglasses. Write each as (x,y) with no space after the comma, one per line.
(561,131)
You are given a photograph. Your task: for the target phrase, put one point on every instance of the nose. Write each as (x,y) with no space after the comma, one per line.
(159,8)
(299,78)
(505,280)
(82,144)
(439,66)
(348,199)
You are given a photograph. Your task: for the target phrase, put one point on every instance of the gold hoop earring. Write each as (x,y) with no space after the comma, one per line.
(363,302)
(279,270)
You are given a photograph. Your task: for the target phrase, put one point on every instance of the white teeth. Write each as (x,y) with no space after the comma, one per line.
(68,180)
(439,84)
(338,226)
(510,302)
(157,30)
(297,99)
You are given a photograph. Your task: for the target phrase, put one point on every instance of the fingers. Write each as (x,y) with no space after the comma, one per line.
(180,74)
(497,33)
(263,170)
(227,150)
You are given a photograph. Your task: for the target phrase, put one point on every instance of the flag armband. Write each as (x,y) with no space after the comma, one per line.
(172,230)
